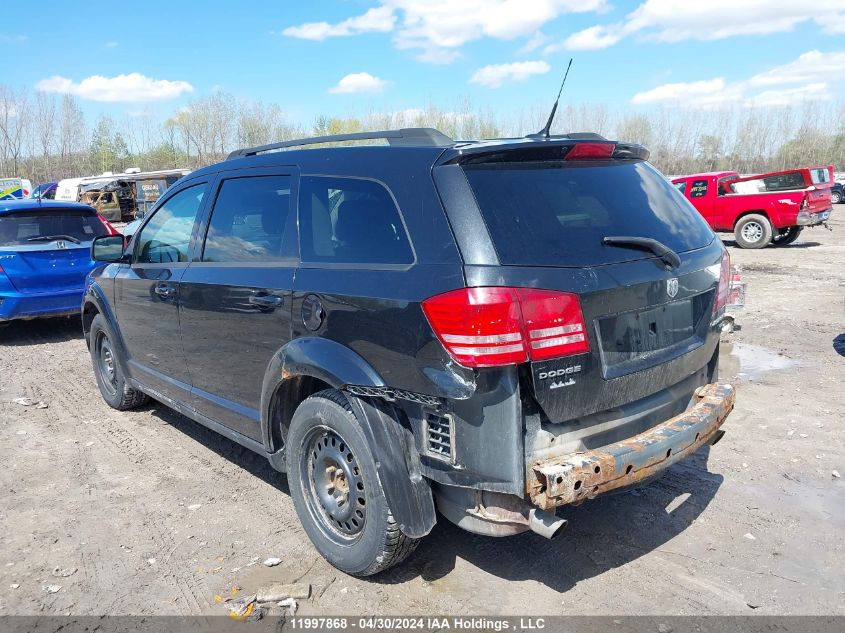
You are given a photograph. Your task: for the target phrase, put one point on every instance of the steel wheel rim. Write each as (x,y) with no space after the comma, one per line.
(106,362)
(333,485)
(752,231)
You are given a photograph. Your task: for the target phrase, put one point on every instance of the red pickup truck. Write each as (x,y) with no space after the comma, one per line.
(761,209)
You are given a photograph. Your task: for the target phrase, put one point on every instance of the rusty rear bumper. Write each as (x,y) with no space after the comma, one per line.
(574,477)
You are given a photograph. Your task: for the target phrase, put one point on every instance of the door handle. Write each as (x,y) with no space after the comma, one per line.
(165,292)
(266,301)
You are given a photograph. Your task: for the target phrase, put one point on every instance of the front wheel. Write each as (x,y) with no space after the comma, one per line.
(336,490)
(836,197)
(787,236)
(753,231)
(110,378)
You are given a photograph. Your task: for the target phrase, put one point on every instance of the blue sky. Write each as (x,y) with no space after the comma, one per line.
(399,54)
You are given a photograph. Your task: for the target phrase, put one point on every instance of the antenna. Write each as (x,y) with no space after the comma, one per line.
(545,132)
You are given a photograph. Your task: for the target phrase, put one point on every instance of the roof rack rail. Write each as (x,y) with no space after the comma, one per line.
(411,137)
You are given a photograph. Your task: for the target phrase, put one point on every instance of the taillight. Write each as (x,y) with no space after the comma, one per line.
(724,284)
(590,151)
(109,228)
(487,327)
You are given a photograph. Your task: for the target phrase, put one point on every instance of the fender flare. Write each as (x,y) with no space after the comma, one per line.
(94,295)
(408,493)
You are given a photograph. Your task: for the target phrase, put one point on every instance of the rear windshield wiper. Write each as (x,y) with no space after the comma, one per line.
(53,238)
(665,253)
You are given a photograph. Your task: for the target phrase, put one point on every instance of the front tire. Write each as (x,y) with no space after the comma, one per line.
(753,231)
(835,197)
(336,490)
(107,368)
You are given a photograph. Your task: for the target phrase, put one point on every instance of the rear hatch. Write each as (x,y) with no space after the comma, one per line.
(48,250)
(647,319)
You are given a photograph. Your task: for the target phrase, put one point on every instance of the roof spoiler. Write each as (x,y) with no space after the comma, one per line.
(407,137)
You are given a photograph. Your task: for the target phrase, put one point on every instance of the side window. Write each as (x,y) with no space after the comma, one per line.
(350,221)
(167,236)
(698,189)
(681,186)
(248,220)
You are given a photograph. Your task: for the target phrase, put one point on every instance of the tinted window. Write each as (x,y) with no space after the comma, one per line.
(781,182)
(698,189)
(350,221)
(548,213)
(167,236)
(248,220)
(29,226)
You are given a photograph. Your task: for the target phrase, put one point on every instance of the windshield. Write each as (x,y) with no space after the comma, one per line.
(553,213)
(26,227)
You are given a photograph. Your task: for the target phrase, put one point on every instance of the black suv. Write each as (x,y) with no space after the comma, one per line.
(490,328)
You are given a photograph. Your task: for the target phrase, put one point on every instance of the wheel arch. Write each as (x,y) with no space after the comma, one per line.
(762,212)
(309,365)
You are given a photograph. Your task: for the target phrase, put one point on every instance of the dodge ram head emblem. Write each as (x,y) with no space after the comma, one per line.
(672,287)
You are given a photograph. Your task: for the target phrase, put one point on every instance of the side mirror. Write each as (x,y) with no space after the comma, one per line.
(108,248)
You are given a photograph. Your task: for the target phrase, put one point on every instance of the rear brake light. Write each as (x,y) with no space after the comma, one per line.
(590,151)
(724,289)
(109,228)
(487,327)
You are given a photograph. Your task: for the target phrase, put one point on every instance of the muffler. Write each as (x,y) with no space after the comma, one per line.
(495,513)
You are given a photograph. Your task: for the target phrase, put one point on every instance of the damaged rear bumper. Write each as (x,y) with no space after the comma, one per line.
(574,477)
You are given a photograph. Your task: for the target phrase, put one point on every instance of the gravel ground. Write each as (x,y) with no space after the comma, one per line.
(145,512)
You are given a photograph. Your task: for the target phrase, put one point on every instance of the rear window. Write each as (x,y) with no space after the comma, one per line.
(820,175)
(26,227)
(550,213)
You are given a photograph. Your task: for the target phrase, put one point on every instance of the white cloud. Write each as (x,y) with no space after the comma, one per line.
(708,94)
(679,20)
(789,96)
(495,75)
(590,39)
(378,20)
(358,82)
(812,70)
(437,29)
(809,67)
(125,88)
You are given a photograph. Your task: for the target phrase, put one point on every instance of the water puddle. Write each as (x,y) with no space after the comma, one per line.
(748,362)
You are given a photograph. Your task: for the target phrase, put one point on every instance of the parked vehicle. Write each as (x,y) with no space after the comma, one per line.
(14,188)
(45,255)
(837,193)
(499,327)
(45,191)
(120,197)
(761,209)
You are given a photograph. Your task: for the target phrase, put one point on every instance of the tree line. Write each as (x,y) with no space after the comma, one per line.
(46,137)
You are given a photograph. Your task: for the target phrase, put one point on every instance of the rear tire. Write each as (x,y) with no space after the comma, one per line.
(753,231)
(107,369)
(787,236)
(336,490)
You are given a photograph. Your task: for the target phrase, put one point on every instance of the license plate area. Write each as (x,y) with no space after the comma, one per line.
(635,340)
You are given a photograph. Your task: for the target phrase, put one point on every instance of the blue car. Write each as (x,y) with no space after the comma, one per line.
(45,256)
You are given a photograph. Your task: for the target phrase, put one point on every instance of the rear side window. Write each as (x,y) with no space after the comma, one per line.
(549,213)
(698,189)
(350,221)
(248,220)
(681,186)
(30,227)
(780,182)
(166,237)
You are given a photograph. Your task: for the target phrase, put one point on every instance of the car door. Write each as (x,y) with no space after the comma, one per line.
(147,293)
(701,193)
(235,295)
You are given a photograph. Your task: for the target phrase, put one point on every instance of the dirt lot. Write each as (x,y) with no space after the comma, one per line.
(156,514)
